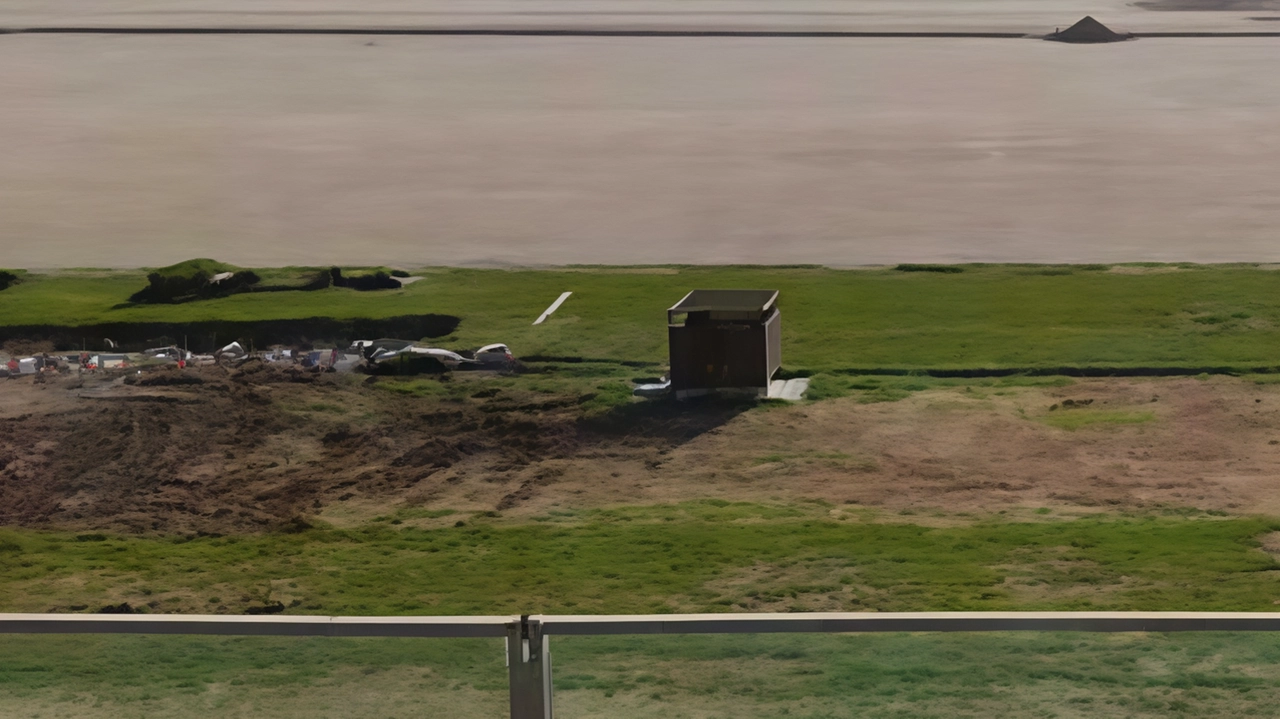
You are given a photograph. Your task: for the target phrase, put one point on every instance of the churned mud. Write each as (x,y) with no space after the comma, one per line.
(257,448)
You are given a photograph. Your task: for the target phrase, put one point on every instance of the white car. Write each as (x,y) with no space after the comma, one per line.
(370,349)
(235,350)
(167,353)
(495,355)
(451,360)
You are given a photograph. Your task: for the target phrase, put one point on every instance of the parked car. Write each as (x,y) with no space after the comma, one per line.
(495,356)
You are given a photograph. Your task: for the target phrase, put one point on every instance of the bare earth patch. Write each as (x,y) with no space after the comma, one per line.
(255,449)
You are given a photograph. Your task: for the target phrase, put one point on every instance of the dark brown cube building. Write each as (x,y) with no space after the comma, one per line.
(724,340)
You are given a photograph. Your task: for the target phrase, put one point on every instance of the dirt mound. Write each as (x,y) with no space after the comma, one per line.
(255,371)
(205,279)
(1088,30)
(166,377)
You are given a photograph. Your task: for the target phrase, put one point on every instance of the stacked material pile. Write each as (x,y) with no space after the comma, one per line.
(1088,30)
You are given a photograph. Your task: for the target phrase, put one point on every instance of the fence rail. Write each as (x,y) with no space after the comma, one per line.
(580,625)
(287,626)
(528,653)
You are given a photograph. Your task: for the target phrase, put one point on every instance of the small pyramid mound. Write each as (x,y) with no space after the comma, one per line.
(1088,30)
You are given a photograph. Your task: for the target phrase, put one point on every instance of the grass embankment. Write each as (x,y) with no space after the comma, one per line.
(984,316)
(702,556)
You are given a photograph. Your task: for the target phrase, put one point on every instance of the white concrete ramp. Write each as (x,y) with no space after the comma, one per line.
(554,306)
(791,390)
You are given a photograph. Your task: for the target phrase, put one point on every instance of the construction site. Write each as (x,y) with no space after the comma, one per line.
(834,358)
(258,448)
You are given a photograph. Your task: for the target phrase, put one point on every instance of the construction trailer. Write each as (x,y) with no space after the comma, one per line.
(724,341)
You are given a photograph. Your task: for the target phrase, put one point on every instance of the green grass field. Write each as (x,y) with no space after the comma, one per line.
(699,556)
(707,556)
(985,316)
(895,676)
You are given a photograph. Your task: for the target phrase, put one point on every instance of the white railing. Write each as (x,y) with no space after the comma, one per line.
(529,657)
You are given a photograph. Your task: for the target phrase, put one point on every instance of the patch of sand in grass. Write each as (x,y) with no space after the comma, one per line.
(231,599)
(47,594)
(1271,544)
(814,586)
(1026,591)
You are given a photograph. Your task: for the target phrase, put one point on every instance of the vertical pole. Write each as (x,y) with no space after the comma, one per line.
(529,666)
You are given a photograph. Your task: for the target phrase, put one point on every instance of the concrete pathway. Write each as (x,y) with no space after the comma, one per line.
(791,390)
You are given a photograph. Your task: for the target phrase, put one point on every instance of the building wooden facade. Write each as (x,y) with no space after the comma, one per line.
(724,341)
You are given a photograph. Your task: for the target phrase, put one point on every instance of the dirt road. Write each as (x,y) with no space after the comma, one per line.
(1023,16)
(269,150)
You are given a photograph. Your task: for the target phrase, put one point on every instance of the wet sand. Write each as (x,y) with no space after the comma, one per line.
(266,150)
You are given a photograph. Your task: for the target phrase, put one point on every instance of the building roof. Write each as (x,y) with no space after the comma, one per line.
(726,301)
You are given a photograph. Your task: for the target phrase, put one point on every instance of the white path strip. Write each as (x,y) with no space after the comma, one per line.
(791,390)
(554,306)
(598,625)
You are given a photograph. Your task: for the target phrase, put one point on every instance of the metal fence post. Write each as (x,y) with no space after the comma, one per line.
(529,667)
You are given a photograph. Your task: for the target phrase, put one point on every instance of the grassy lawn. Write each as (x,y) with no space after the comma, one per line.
(703,556)
(122,677)
(984,316)
(891,675)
